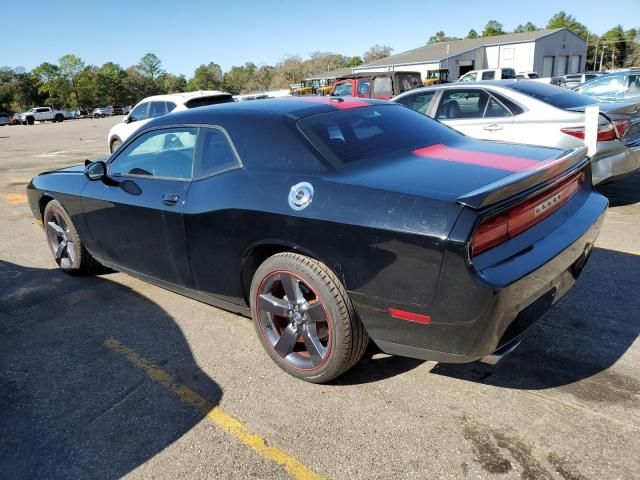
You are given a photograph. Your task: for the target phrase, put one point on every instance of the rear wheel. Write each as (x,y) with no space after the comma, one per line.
(59,118)
(65,243)
(304,318)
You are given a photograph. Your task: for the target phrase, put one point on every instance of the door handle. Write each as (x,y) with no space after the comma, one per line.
(170,199)
(493,128)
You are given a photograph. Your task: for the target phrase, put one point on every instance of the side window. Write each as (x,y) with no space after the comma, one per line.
(215,153)
(382,87)
(604,85)
(42,110)
(508,73)
(166,153)
(514,108)
(157,109)
(418,101)
(469,77)
(363,87)
(462,104)
(488,75)
(494,109)
(343,90)
(633,85)
(139,113)
(170,106)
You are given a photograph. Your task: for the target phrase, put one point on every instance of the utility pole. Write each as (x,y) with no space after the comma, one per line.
(595,57)
(601,57)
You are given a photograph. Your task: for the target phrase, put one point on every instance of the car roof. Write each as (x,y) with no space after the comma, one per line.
(184,96)
(483,84)
(292,107)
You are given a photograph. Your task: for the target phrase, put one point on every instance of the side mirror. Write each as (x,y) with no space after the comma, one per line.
(96,170)
(127,119)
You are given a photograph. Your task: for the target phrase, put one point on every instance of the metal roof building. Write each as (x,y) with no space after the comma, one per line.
(548,52)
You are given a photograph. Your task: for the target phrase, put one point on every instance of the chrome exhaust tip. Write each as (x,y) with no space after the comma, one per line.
(495,357)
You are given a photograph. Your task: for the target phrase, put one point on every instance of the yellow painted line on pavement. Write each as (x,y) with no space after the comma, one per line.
(215,414)
(15,198)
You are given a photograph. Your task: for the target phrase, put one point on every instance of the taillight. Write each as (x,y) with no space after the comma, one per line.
(621,126)
(606,131)
(498,229)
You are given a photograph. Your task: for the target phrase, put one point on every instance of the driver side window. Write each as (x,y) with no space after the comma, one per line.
(166,153)
(139,113)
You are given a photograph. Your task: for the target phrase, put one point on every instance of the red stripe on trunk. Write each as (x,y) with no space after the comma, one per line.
(473,157)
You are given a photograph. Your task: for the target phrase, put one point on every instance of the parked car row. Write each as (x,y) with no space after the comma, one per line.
(535,113)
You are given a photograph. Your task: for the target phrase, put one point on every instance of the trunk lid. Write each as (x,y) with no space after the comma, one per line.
(470,172)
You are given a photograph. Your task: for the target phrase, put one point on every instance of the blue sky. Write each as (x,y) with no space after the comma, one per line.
(185,34)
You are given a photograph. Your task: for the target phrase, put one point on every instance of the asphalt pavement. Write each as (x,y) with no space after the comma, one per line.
(107,376)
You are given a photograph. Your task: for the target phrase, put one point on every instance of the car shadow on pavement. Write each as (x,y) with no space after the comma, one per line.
(72,405)
(622,192)
(583,335)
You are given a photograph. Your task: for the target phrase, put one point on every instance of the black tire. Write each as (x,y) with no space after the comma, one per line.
(80,262)
(102,115)
(343,339)
(115,143)
(30,120)
(59,118)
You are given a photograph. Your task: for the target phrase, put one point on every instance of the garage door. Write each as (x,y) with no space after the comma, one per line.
(561,66)
(547,66)
(575,64)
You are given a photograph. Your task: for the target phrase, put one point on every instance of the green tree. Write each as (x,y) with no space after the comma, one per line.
(492,28)
(527,27)
(261,79)
(206,77)
(353,61)
(633,48)
(110,84)
(70,67)
(440,37)
(376,52)
(615,44)
(236,80)
(564,20)
(150,66)
(323,62)
(472,34)
(7,91)
(170,83)
(50,82)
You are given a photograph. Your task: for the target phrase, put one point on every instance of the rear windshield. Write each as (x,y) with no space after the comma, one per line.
(556,96)
(213,100)
(370,133)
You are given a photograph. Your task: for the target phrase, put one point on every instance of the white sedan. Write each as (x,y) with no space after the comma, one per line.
(159,105)
(537,114)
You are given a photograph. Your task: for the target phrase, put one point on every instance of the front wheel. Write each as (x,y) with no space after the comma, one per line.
(65,243)
(115,143)
(59,118)
(304,318)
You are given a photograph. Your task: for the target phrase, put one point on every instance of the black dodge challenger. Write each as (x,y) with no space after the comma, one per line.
(331,221)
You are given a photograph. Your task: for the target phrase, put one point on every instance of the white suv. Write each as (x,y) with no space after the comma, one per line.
(159,105)
(488,74)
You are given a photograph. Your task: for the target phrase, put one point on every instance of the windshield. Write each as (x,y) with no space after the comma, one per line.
(556,96)
(370,133)
(343,90)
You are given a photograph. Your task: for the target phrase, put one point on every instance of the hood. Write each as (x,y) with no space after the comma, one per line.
(471,172)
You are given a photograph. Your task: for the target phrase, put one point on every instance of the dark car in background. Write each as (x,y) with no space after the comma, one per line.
(331,221)
(5,119)
(117,110)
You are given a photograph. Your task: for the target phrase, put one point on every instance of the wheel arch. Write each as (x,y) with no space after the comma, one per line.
(112,139)
(258,252)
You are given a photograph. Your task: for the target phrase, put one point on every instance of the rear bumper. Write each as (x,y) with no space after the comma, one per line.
(470,320)
(615,165)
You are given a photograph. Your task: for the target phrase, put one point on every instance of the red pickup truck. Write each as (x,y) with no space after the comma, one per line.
(381,85)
